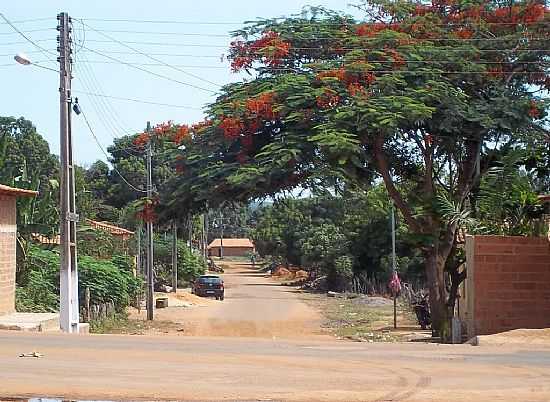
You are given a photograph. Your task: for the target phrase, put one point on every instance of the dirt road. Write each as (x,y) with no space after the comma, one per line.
(115,367)
(254,306)
(268,348)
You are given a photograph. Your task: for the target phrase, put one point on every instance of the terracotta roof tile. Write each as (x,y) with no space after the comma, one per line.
(17,192)
(232,243)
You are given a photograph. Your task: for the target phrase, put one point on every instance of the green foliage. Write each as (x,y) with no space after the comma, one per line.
(190,264)
(337,236)
(106,281)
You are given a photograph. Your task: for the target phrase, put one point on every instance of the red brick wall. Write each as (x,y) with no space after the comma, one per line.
(509,283)
(7,254)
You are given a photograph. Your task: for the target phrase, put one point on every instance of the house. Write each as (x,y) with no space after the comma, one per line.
(8,239)
(231,247)
(118,232)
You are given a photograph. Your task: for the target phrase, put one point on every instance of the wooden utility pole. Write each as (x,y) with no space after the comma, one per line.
(174,256)
(394,263)
(150,275)
(68,273)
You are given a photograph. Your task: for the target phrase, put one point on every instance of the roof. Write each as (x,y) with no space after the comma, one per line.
(110,228)
(232,243)
(40,238)
(17,192)
(544,198)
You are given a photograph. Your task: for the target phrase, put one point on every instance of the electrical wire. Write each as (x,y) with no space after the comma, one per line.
(299,22)
(107,156)
(319,48)
(25,42)
(29,31)
(45,51)
(151,57)
(138,100)
(150,72)
(28,20)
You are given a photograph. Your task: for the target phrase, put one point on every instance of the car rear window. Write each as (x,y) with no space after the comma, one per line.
(210,279)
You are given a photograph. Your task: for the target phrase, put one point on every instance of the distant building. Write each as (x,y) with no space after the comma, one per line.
(231,247)
(8,239)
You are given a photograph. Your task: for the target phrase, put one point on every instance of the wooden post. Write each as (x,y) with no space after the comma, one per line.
(87,304)
(395,311)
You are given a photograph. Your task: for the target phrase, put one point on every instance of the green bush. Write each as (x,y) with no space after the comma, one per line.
(105,279)
(190,264)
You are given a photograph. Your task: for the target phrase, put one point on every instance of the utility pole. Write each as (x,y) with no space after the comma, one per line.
(221,236)
(206,234)
(174,256)
(68,272)
(150,276)
(393,262)
(190,229)
(138,256)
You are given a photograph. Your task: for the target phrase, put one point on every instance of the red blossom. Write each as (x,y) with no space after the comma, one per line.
(270,48)
(328,99)
(262,106)
(181,132)
(464,33)
(355,89)
(141,140)
(231,127)
(534,111)
(197,128)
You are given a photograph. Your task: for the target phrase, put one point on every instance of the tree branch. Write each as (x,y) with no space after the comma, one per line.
(384,170)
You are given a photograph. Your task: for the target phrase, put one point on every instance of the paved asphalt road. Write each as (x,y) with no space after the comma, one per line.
(265,362)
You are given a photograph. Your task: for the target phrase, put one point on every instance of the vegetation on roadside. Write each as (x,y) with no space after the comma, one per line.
(365,319)
(120,323)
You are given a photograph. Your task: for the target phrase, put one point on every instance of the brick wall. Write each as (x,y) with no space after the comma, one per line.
(508,284)
(7,254)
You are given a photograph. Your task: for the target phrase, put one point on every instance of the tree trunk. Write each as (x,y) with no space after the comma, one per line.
(435,273)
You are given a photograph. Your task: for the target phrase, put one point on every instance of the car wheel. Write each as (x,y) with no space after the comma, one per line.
(221,298)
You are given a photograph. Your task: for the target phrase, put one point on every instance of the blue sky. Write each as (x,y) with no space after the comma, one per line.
(195,48)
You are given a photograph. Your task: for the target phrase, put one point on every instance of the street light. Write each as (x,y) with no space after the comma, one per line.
(24,60)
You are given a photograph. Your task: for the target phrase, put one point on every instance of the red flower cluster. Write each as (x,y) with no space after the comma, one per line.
(328,99)
(270,48)
(534,111)
(197,128)
(163,128)
(141,140)
(397,60)
(231,127)
(262,106)
(355,89)
(372,29)
(181,132)
(464,33)
(347,77)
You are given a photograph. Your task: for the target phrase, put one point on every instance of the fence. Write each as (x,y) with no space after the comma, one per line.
(91,312)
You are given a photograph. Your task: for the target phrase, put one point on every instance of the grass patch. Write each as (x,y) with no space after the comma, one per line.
(120,323)
(365,319)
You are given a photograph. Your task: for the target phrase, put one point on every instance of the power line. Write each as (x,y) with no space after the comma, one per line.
(107,156)
(44,51)
(151,57)
(322,48)
(164,54)
(28,31)
(300,22)
(29,20)
(208,35)
(137,100)
(149,72)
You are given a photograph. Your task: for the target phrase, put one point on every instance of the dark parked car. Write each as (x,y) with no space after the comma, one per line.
(209,286)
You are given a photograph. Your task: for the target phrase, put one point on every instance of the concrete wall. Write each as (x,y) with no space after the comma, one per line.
(230,251)
(508,284)
(8,232)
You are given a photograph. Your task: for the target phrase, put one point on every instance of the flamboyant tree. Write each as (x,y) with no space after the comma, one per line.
(419,96)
